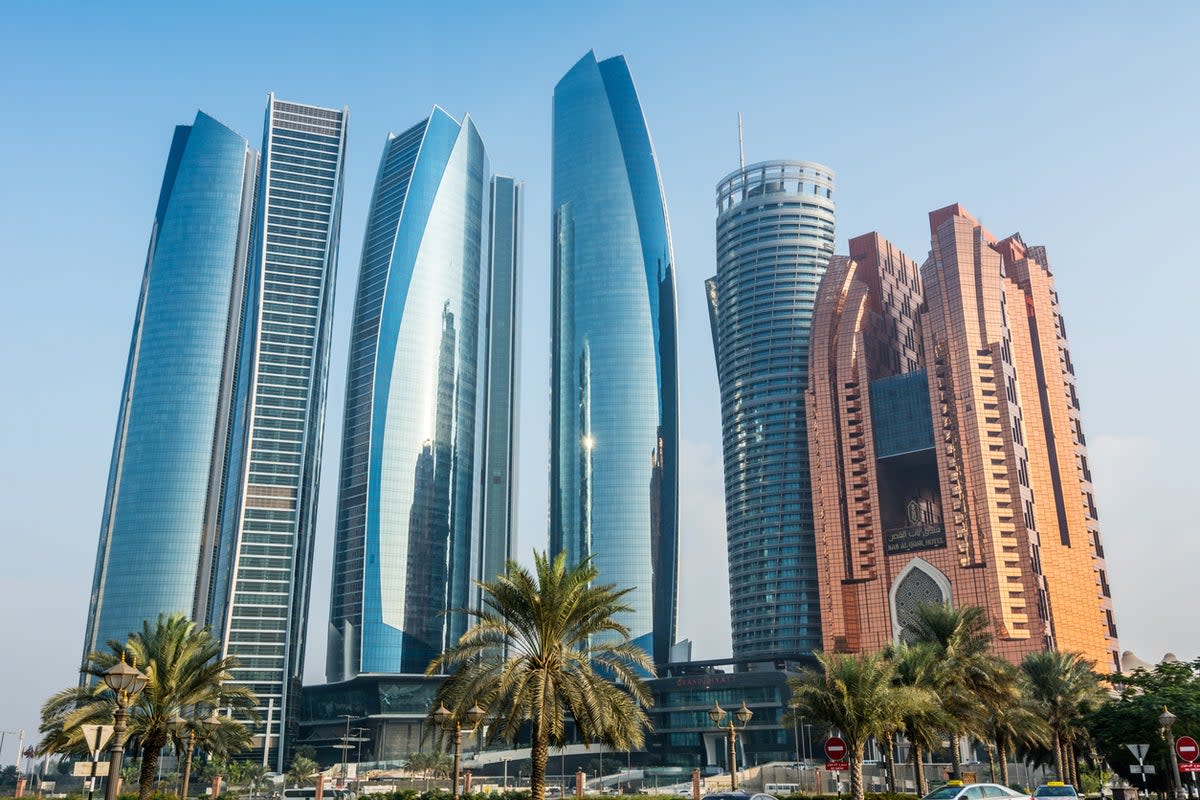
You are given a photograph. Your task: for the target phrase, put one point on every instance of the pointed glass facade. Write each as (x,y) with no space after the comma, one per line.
(409,535)
(172,426)
(614,428)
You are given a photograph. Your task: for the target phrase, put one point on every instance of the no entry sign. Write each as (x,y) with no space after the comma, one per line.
(835,748)
(1186,748)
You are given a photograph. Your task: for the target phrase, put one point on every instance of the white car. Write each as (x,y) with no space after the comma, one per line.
(957,790)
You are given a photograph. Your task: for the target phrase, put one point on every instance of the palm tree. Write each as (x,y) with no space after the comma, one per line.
(185,673)
(544,644)
(1063,688)
(916,666)
(302,771)
(253,775)
(855,694)
(1019,726)
(969,679)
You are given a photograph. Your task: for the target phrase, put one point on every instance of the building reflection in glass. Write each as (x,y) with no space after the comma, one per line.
(614,430)
(409,526)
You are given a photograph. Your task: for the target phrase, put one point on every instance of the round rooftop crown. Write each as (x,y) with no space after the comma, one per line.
(771,177)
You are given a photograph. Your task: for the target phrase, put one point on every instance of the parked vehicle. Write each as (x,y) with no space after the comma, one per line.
(957,790)
(1056,789)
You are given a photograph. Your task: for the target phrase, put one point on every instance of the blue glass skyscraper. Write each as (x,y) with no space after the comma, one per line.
(212,493)
(164,485)
(431,355)
(774,240)
(614,428)
(498,479)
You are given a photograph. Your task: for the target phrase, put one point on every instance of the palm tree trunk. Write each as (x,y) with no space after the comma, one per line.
(1072,763)
(991,765)
(149,767)
(1058,757)
(918,762)
(539,754)
(955,757)
(856,772)
(889,755)
(1002,755)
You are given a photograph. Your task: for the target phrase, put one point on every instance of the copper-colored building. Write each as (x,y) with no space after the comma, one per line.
(947,454)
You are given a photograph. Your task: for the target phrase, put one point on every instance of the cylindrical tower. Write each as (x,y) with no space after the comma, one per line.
(774,239)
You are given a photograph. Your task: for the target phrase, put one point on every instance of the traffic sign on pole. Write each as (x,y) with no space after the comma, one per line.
(96,736)
(1186,749)
(844,766)
(835,748)
(1139,751)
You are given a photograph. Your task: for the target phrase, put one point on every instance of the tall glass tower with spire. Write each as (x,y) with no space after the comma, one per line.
(614,427)
(425,501)
(774,240)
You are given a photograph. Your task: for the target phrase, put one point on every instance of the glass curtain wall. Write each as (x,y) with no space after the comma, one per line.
(614,429)
(408,527)
(172,425)
(774,240)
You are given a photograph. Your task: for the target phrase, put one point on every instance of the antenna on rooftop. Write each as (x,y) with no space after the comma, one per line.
(741,145)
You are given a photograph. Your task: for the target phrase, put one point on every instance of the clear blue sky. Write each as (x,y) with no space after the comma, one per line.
(1074,123)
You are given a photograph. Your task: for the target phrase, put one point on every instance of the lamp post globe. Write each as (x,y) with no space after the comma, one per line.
(448,721)
(742,716)
(126,681)
(1165,721)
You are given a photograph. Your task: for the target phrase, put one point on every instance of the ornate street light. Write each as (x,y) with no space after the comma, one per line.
(448,721)
(718,715)
(126,682)
(187,727)
(1165,721)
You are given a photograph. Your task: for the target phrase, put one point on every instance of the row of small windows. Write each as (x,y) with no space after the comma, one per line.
(297,201)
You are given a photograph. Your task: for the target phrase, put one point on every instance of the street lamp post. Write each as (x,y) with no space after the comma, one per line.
(449,722)
(126,682)
(359,739)
(345,747)
(1165,721)
(187,727)
(718,715)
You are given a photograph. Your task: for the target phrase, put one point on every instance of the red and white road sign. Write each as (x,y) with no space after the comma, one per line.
(1186,748)
(1193,768)
(835,748)
(844,766)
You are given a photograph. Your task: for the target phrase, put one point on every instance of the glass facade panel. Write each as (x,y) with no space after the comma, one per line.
(498,477)
(900,414)
(164,482)
(774,240)
(408,541)
(614,430)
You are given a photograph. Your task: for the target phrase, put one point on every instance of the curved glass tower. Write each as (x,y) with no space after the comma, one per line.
(774,240)
(407,516)
(164,484)
(614,428)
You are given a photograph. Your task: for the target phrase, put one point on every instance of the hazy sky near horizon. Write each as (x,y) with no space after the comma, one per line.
(1071,122)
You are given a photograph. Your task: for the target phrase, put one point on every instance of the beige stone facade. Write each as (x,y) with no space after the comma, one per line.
(948,457)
